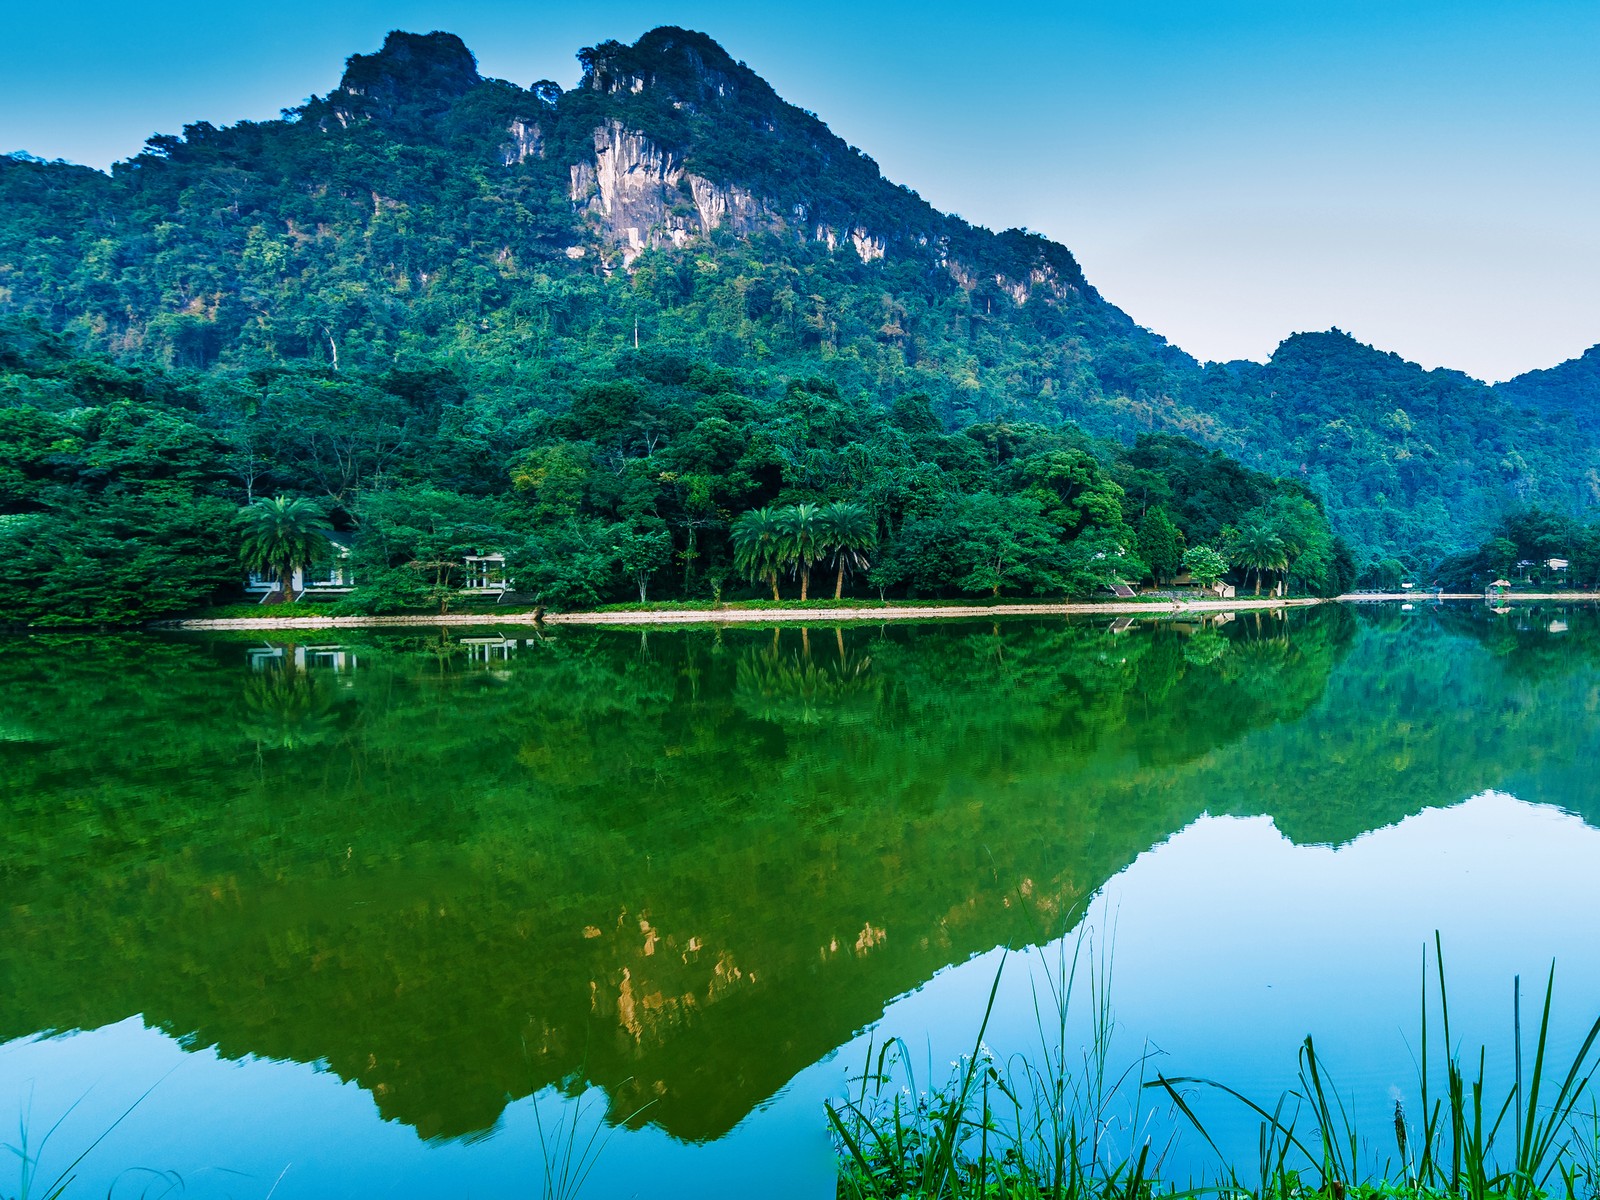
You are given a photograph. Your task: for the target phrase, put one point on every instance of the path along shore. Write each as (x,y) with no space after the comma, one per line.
(887,612)
(746,616)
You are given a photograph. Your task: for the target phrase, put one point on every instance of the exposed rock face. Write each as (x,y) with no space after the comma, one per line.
(526,141)
(635,191)
(1044,276)
(867,246)
(641,198)
(640,194)
(731,206)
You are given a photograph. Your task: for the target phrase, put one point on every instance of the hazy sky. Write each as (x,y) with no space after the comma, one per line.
(1425,175)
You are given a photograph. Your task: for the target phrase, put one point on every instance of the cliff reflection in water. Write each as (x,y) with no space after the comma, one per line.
(684,864)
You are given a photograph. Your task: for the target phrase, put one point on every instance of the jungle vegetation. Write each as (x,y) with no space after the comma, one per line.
(131,490)
(409,302)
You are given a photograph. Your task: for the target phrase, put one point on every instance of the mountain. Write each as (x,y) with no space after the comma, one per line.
(452,265)
(414,181)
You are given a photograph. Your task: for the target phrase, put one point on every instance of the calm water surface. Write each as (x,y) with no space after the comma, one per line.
(359,918)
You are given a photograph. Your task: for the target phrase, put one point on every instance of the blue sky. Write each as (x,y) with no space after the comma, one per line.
(1425,175)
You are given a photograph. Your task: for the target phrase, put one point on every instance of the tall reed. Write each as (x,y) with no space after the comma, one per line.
(32,1184)
(1527,1145)
(1047,1124)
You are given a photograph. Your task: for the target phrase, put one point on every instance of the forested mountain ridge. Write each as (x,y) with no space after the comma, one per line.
(428,280)
(417,201)
(1571,387)
(1411,462)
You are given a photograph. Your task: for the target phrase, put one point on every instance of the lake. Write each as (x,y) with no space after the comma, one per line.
(366,913)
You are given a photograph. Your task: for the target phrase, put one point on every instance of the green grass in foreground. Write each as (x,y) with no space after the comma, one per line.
(1049,1126)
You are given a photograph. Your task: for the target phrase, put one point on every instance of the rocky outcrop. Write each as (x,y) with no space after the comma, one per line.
(427,71)
(526,141)
(868,247)
(731,206)
(691,66)
(639,196)
(1043,276)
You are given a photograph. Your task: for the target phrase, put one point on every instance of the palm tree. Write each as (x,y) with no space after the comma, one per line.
(758,538)
(1257,547)
(802,541)
(280,536)
(848,531)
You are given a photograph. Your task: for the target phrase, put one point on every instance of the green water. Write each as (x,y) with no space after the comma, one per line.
(680,867)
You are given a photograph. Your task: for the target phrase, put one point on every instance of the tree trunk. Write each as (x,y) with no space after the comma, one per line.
(286,583)
(1258,581)
(643,583)
(838,583)
(773,580)
(805,583)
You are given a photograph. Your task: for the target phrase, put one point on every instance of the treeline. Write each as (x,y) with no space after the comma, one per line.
(1529,546)
(1414,464)
(121,489)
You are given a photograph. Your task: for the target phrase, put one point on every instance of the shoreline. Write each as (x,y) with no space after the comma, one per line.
(747,616)
(887,612)
(1435,597)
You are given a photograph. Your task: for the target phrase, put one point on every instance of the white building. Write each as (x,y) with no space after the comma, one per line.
(333,577)
(485,576)
(486,573)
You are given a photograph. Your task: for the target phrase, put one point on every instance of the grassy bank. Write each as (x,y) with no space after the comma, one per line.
(1045,1124)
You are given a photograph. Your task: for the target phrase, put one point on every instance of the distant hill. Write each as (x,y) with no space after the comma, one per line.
(1571,387)
(1408,460)
(671,210)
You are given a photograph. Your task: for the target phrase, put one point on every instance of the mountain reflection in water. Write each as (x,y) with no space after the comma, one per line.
(684,866)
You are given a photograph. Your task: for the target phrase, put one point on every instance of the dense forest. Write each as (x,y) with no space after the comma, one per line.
(1534,546)
(592,329)
(124,486)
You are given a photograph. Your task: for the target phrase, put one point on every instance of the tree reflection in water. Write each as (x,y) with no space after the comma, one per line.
(458,874)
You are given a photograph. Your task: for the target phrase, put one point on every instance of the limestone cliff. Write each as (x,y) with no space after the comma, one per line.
(669,139)
(638,196)
(694,141)
(525,141)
